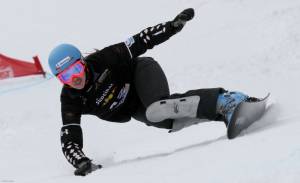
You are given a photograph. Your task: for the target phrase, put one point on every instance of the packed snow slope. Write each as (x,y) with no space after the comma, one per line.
(247,45)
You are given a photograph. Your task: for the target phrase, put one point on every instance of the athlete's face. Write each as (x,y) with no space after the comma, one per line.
(74,76)
(78,82)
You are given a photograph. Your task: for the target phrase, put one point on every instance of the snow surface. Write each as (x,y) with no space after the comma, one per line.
(247,45)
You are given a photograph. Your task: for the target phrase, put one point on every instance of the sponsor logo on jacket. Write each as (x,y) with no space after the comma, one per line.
(129,42)
(104,94)
(109,97)
(121,96)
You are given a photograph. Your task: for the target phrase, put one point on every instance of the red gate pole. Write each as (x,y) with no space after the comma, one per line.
(38,65)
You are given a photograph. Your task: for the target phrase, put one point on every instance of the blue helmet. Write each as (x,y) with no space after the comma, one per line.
(62,56)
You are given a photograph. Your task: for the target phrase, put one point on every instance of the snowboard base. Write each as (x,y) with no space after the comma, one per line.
(245,114)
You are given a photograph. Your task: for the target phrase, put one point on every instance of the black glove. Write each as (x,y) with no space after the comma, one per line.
(86,167)
(180,20)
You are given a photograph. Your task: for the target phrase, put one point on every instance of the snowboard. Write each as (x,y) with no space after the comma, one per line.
(245,114)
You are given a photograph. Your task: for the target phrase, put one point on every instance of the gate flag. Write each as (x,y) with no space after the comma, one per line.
(10,67)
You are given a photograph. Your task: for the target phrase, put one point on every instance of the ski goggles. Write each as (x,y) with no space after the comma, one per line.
(74,70)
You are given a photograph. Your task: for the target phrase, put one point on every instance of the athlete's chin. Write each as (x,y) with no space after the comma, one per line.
(78,85)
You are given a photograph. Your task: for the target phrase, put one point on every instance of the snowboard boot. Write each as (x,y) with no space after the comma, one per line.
(227,102)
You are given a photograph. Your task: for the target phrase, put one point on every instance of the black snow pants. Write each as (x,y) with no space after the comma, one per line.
(151,85)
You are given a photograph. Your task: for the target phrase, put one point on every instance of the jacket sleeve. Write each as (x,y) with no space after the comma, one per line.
(148,38)
(151,36)
(71,132)
(138,44)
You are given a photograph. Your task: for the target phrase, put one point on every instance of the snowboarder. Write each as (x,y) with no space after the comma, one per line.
(115,84)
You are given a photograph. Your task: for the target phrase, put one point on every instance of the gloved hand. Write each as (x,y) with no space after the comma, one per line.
(180,20)
(86,167)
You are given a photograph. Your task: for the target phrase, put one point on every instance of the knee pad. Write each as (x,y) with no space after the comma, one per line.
(173,109)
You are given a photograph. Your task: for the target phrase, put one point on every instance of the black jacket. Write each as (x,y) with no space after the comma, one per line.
(109,93)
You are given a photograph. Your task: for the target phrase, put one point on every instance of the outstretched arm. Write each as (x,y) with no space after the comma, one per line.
(71,140)
(71,134)
(151,36)
(138,44)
